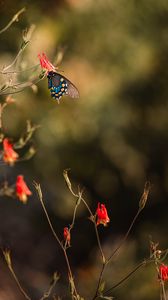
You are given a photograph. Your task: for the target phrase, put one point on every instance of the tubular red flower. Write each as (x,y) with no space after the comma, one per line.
(9,155)
(45,63)
(67,235)
(163,272)
(22,190)
(102,215)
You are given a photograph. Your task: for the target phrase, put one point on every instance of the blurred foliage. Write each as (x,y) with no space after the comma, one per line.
(113,138)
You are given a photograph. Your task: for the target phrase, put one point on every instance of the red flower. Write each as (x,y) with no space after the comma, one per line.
(22,191)
(9,155)
(67,235)
(163,272)
(45,63)
(102,216)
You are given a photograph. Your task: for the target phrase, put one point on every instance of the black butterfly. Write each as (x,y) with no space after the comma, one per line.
(59,86)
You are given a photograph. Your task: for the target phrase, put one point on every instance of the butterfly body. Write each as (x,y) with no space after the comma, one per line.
(60,85)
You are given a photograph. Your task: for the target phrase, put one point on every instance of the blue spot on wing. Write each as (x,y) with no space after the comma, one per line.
(49,83)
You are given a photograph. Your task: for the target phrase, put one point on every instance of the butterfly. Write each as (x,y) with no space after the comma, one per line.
(60,85)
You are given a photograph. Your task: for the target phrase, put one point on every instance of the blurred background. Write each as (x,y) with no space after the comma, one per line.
(114,138)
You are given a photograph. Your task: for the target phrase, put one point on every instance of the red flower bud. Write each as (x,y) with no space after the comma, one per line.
(45,63)
(9,155)
(22,191)
(67,235)
(163,272)
(102,216)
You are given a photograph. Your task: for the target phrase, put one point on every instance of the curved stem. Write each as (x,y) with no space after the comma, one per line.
(119,246)
(71,226)
(126,235)
(127,276)
(19,285)
(92,217)
(51,287)
(7,256)
(39,192)
(22,86)
(14,19)
(99,244)
(21,71)
(100,280)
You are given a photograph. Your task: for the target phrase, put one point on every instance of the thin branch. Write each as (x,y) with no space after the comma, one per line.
(2,106)
(99,244)
(163,292)
(142,203)
(7,256)
(21,71)
(166,252)
(71,226)
(26,39)
(100,280)
(92,217)
(15,60)
(22,86)
(142,264)
(126,235)
(75,211)
(14,19)
(52,285)
(25,138)
(39,193)
(40,196)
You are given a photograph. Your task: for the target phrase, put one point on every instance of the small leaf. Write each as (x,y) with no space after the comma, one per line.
(65,174)
(42,74)
(23,45)
(145,195)
(29,154)
(101,287)
(4,87)
(7,256)
(30,129)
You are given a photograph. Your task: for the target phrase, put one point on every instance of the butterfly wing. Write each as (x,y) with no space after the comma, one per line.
(72,91)
(60,85)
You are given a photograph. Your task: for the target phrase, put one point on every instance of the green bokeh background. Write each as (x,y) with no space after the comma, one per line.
(113,139)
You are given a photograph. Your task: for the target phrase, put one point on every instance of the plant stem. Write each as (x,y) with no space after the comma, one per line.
(19,285)
(163,293)
(14,19)
(47,294)
(9,264)
(21,87)
(99,245)
(39,192)
(142,204)
(100,280)
(68,182)
(126,235)
(73,219)
(108,260)
(127,276)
